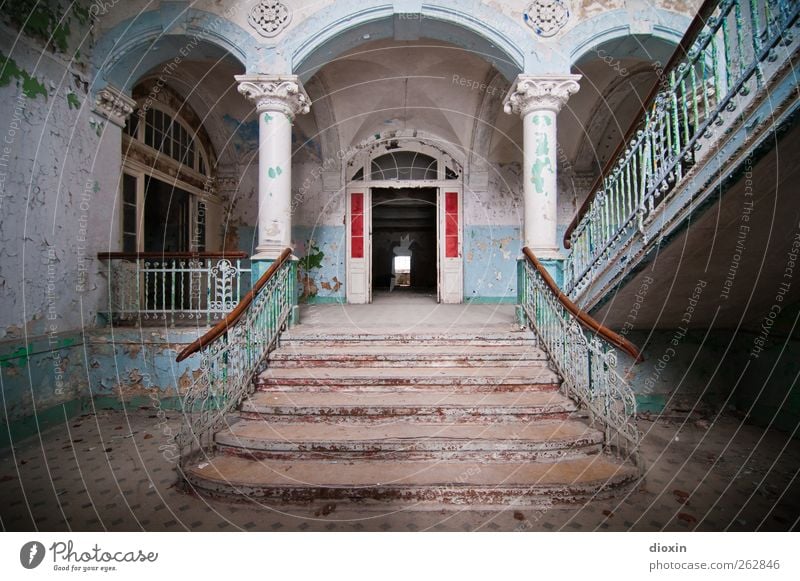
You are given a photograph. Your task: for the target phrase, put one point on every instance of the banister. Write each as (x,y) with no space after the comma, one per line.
(233,317)
(583,318)
(236,254)
(695,27)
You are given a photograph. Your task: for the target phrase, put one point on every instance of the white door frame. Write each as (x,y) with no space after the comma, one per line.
(358,263)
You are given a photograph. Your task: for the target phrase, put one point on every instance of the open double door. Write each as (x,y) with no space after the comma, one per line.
(449,221)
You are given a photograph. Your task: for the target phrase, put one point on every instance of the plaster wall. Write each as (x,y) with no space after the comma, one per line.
(54,377)
(60,174)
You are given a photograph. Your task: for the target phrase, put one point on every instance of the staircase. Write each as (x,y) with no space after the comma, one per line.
(420,420)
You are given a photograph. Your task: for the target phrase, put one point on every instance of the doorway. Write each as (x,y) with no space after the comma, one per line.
(404,220)
(404,241)
(167,211)
(166,217)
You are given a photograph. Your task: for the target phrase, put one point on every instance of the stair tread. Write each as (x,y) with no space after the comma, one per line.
(451,334)
(296,432)
(421,373)
(412,399)
(411,350)
(233,471)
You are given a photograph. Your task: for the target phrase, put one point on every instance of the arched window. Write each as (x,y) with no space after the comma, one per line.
(403,162)
(404,165)
(168,135)
(167,182)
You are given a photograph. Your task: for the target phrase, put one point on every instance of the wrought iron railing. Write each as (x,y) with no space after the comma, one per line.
(583,352)
(175,287)
(726,59)
(233,352)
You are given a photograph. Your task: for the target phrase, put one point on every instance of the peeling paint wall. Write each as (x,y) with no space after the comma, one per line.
(321,270)
(60,164)
(493,223)
(41,374)
(123,367)
(60,167)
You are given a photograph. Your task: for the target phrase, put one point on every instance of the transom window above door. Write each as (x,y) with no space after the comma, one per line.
(406,165)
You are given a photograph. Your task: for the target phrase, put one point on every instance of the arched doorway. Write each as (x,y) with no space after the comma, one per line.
(404,222)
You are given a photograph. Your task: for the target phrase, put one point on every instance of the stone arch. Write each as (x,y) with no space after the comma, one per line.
(613,25)
(475,27)
(418,141)
(133,47)
(183,110)
(208,117)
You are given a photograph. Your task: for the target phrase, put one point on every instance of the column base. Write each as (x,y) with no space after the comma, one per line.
(259,264)
(549,253)
(553,260)
(271,252)
(294,317)
(555,266)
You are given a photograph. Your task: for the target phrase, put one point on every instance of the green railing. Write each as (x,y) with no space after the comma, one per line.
(583,352)
(233,352)
(729,55)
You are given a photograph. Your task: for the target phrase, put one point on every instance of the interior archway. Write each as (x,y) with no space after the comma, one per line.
(336,31)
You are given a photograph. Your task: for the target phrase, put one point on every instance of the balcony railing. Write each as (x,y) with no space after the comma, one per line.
(174,287)
(727,58)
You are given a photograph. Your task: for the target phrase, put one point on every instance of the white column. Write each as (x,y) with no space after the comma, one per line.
(278,99)
(538,99)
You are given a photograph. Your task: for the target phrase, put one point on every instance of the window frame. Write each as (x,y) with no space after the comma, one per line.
(133,167)
(139,136)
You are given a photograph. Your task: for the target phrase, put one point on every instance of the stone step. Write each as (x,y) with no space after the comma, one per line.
(418,485)
(293,338)
(538,377)
(417,355)
(428,406)
(411,440)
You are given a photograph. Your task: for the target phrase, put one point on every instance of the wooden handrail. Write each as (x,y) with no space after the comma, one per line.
(138,255)
(584,318)
(683,47)
(233,317)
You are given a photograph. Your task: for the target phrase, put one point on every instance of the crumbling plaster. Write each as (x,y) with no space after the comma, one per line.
(59,193)
(61,165)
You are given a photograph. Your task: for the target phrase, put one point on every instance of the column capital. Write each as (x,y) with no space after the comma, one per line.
(114,105)
(282,93)
(540,92)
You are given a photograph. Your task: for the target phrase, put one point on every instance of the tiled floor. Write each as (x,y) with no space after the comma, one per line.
(114,471)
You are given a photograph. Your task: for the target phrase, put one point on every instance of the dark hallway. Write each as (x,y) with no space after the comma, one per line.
(404,239)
